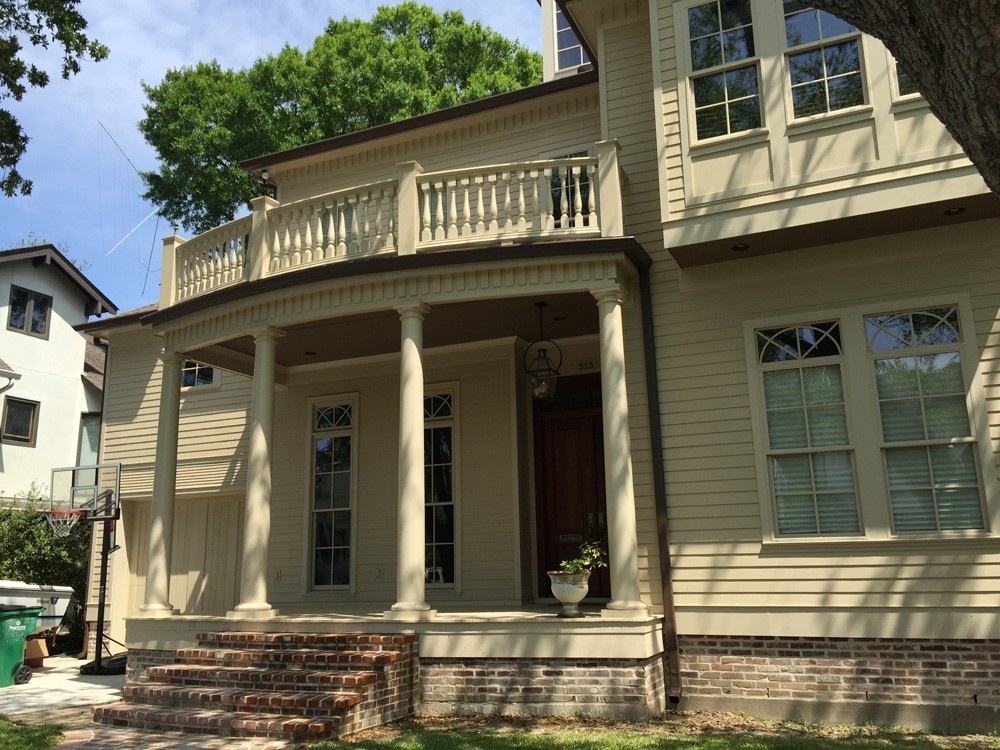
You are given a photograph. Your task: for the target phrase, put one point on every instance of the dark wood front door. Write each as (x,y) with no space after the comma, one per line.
(569,491)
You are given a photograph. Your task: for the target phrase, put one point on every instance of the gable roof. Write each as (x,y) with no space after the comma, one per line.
(48,255)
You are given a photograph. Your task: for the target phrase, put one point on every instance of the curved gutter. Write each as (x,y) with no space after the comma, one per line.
(671,648)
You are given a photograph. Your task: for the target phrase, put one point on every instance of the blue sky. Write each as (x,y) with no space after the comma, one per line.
(86,196)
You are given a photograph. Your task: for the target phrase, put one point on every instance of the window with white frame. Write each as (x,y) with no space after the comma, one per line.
(725,81)
(905,84)
(903,367)
(824,60)
(332,470)
(439,488)
(569,52)
(194,374)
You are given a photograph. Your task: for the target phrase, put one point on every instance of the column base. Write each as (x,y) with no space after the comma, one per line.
(409,615)
(158,610)
(625,610)
(252,612)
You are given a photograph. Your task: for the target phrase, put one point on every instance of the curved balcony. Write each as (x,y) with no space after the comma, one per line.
(518,202)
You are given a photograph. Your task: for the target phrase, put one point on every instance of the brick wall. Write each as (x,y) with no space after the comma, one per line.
(626,689)
(960,676)
(141,659)
(391,698)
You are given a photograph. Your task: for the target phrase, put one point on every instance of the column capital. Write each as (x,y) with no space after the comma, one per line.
(412,310)
(267,334)
(168,356)
(615,293)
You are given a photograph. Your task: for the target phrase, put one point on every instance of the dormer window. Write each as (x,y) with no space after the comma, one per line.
(29,312)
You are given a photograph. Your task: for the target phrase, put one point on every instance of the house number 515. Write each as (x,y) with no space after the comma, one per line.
(588,365)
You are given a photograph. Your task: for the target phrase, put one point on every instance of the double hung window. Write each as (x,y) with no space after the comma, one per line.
(569,51)
(824,60)
(888,388)
(726,81)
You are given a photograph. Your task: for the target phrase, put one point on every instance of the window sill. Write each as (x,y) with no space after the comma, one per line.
(971,541)
(729,142)
(831,119)
(908,103)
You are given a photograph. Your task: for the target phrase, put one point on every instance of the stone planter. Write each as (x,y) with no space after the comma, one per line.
(570,588)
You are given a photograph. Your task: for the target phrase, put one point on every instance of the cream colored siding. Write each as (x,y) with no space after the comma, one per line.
(719,561)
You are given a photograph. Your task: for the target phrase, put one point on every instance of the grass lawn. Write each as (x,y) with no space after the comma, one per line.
(696,731)
(38,737)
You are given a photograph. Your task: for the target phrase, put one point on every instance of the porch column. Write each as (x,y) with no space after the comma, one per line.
(161,514)
(257,513)
(410,604)
(623,553)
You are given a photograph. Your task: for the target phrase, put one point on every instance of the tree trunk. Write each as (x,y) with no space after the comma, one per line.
(951,50)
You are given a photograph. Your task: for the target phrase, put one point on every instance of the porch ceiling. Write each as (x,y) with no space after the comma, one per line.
(377,333)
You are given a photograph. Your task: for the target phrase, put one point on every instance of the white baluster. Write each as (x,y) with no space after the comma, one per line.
(592,195)
(307,240)
(366,236)
(275,225)
(564,198)
(355,231)
(438,228)
(330,229)
(494,211)
(425,215)
(227,264)
(508,225)
(377,243)
(466,219)
(480,211)
(577,199)
(451,186)
(296,258)
(286,242)
(390,235)
(549,221)
(522,222)
(341,227)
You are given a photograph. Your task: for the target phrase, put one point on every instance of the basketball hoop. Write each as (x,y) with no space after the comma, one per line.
(62,521)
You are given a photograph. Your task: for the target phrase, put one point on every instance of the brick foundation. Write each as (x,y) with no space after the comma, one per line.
(141,659)
(614,688)
(949,685)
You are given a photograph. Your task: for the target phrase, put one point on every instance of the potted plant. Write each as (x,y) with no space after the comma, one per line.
(571,582)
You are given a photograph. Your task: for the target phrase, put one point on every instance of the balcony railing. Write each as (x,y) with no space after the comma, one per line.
(497,204)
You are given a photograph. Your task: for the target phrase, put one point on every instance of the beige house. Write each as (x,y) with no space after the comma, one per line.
(772,279)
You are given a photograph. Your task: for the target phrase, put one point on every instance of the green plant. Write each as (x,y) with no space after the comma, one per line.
(592,556)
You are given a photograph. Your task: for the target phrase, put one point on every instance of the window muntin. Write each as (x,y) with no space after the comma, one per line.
(332,491)
(195,374)
(569,51)
(927,442)
(824,61)
(727,95)
(809,457)
(439,489)
(904,83)
(20,421)
(29,311)
(868,415)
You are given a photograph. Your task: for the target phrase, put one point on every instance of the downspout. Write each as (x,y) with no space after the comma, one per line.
(671,648)
(11,377)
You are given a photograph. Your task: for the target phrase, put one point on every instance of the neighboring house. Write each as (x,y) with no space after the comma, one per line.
(51,376)
(774,282)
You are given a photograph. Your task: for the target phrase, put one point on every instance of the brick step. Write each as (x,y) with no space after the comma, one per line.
(286,658)
(353,641)
(220,723)
(260,679)
(303,704)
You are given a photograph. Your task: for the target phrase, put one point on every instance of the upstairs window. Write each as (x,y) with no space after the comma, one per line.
(20,421)
(196,374)
(29,312)
(726,84)
(904,83)
(569,51)
(824,61)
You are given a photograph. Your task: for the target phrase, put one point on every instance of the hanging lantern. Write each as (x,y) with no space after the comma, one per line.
(541,368)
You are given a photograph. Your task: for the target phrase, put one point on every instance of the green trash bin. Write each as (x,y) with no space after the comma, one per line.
(17,622)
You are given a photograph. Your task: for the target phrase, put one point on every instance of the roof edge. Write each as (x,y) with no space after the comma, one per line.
(419,121)
(47,255)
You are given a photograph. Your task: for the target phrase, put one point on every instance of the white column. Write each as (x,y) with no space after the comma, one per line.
(161,515)
(623,555)
(410,604)
(257,513)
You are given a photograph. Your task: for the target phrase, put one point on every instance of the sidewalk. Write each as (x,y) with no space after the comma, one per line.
(59,694)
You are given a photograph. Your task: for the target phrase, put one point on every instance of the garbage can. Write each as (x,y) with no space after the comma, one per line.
(17,622)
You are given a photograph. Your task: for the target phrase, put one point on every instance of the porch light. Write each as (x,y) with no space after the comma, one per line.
(542,372)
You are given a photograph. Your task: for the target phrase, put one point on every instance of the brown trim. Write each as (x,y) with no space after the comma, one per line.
(671,647)
(33,429)
(528,93)
(29,312)
(127,318)
(364,266)
(47,255)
